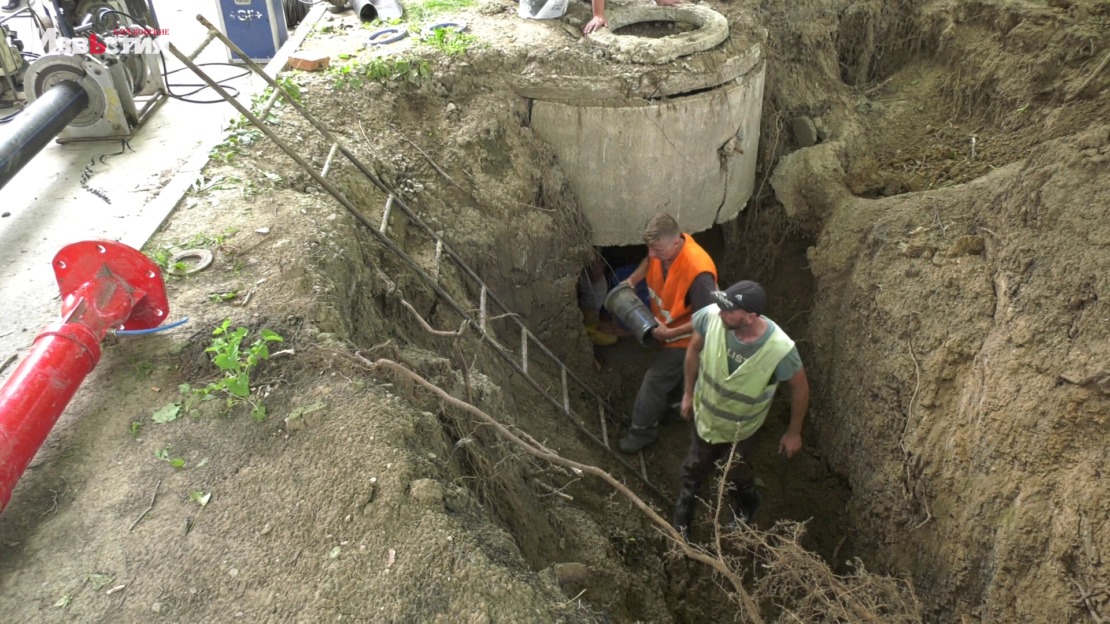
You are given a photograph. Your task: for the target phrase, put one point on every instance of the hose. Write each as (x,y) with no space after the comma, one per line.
(153,330)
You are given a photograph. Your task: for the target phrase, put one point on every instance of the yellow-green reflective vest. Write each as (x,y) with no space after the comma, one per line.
(733,407)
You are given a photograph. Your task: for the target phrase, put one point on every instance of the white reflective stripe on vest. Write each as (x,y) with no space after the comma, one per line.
(730,407)
(659,302)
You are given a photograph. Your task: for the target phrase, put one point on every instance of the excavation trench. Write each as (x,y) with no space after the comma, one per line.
(832,229)
(504,204)
(946,296)
(555,517)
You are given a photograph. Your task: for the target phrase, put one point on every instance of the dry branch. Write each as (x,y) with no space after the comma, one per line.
(556,491)
(428,328)
(794,579)
(750,607)
(429,159)
(147,510)
(809,591)
(1086,83)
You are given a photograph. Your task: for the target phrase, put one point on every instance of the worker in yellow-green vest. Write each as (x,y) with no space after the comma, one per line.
(737,358)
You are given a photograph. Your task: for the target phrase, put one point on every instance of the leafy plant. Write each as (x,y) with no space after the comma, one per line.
(222,297)
(237,362)
(449,41)
(259,100)
(201,498)
(428,9)
(144,369)
(239,136)
(160,256)
(203,184)
(164,455)
(136,425)
(99,581)
(167,413)
(383,69)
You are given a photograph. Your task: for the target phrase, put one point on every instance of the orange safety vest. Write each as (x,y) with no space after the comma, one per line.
(668,298)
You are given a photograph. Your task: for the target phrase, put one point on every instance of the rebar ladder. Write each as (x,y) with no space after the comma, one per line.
(486,296)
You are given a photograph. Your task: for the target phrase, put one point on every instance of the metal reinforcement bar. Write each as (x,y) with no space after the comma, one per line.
(385,240)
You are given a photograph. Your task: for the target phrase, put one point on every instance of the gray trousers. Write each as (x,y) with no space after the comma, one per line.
(663,376)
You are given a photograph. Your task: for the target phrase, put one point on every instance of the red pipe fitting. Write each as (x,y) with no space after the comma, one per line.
(105,285)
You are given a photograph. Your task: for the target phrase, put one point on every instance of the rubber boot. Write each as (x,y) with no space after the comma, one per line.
(637,440)
(684,512)
(746,503)
(600,338)
(590,317)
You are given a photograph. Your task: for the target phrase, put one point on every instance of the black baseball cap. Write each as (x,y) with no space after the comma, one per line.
(745,295)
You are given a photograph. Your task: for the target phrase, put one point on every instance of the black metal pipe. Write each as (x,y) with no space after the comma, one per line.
(38,124)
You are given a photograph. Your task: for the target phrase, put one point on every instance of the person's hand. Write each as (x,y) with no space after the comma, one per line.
(662,333)
(791,443)
(596,23)
(668,2)
(688,406)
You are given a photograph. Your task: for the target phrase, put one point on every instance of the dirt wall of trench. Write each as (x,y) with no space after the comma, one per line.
(959,336)
(957,329)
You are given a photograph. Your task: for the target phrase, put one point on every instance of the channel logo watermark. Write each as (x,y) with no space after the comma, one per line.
(121,41)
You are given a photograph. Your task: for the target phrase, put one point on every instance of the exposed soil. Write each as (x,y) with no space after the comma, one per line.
(946,305)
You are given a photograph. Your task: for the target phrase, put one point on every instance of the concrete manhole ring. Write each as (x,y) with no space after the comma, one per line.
(711,29)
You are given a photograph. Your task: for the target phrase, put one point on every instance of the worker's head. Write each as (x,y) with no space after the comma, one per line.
(740,304)
(663,238)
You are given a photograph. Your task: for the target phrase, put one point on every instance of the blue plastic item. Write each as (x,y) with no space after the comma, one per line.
(382,36)
(153,330)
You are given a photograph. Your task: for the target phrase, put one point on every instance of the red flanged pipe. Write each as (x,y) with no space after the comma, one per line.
(105,285)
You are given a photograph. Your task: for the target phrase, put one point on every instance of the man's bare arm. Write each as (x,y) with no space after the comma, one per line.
(799,404)
(598,20)
(690,368)
(639,274)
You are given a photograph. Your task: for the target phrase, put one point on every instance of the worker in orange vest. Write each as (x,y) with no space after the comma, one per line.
(681,278)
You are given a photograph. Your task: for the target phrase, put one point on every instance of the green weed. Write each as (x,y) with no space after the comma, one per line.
(164,455)
(160,256)
(239,137)
(382,69)
(236,363)
(258,101)
(99,581)
(422,10)
(449,41)
(143,370)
